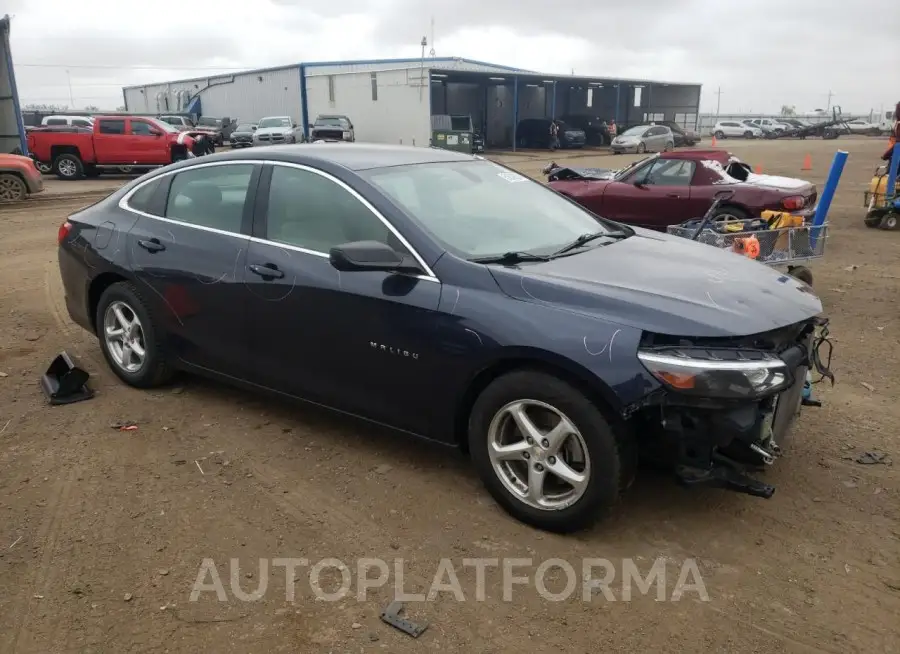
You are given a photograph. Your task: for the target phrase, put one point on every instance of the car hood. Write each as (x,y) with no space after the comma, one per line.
(666,285)
(273,130)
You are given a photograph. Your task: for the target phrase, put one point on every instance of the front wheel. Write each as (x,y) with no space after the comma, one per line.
(669,146)
(719,135)
(12,188)
(641,148)
(889,222)
(130,339)
(748,135)
(546,453)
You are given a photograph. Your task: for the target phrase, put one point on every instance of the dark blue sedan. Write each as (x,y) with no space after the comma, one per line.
(450,297)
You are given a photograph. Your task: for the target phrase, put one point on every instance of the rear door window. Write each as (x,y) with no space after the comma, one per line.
(111,126)
(210,196)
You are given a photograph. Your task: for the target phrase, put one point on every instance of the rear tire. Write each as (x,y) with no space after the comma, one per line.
(68,167)
(593,450)
(802,273)
(155,369)
(748,135)
(890,222)
(12,188)
(726,212)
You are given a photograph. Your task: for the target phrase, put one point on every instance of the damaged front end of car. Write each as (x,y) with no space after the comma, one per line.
(726,405)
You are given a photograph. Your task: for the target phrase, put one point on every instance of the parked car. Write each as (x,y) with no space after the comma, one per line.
(68,121)
(768,132)
(450,297)
(332,127)
(19,178)
(766,124)
(242,136)
(535,133)
(596,130)
(112,143)
(683,136)
(733,129)
(644,138)
(861,126)
(677,186)
(219,129)
(796,123)
(276,130)
(181,122)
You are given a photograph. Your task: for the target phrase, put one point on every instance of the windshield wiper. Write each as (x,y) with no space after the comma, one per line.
(511,257)
(584,239)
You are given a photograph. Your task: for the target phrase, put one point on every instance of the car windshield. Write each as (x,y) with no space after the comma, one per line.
(244,127)
(330,121)
(209,122)
(481,209)
(275,122)
(627,169)
(635,131)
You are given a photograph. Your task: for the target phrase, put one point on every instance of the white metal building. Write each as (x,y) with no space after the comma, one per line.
(392,100)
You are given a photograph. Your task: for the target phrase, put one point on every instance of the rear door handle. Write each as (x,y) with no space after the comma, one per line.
(268,270)
(153,245)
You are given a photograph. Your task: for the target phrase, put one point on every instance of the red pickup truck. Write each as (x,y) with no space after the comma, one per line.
(114,141)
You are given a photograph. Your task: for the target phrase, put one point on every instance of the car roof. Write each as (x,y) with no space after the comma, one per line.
(354,156)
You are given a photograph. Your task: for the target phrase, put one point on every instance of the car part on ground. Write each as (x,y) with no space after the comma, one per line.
(64,382)
(517,338)
(391,616)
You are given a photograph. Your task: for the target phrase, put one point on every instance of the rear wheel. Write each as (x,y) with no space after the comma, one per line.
(131,341)
(873,218)
(12,188)
(802,273)
(748,135)
(546,453)
(729,213)
(68,167)
(889,221)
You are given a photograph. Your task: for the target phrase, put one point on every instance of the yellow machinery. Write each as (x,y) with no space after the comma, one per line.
(881,201)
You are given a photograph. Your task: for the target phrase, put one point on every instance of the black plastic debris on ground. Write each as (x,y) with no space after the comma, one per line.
(391,615)
(64,382)
(871,458)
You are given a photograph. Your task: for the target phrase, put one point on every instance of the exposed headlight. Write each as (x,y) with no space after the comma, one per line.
(345,135)
(717,374)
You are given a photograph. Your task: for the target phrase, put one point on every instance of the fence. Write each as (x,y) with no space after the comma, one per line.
(707,121)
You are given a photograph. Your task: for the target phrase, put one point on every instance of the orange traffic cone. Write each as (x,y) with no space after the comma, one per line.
(758,169)
(714,141)
(807,163)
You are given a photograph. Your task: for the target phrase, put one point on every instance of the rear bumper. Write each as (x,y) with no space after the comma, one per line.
(75,286)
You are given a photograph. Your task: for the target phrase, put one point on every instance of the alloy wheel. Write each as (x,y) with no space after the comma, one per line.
(67,168)
(539,455)
(124,336)
(11,189)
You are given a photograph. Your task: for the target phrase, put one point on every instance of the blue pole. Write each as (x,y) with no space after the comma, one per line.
(304,110)
(515,108)
(834,176)
(553,101)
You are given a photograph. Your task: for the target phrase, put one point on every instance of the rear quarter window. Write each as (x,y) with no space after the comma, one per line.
(142,199)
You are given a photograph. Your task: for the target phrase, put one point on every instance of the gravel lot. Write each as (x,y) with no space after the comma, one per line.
(102,532)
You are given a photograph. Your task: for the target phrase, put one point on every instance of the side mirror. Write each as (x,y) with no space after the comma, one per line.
(155,133)
(367,255)
(253,127)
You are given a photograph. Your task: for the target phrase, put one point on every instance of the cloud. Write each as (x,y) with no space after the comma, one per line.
(762,54)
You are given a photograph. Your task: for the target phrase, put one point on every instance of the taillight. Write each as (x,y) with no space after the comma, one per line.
(793,202)
(63,232)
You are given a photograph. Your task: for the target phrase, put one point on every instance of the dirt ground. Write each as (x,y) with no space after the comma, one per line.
(102,531)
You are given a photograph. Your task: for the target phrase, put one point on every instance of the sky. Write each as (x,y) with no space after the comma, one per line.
(761,54)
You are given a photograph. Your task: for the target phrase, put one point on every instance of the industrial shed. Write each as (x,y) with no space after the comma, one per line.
(393,100)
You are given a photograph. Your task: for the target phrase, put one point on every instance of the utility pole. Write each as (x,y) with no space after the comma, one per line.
(718,101)
(830,95)
(71,96)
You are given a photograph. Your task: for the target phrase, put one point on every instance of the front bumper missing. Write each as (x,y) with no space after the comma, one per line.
(721,443)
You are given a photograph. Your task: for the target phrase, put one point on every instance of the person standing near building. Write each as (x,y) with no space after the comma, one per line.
(613,130)
(554,135)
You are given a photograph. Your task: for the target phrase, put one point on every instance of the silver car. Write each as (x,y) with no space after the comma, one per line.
(275,130)
(644,138)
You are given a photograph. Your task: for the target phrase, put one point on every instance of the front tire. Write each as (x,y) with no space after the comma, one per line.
(130,339)
(546,453)
(12,188)
(641,148)
(719,135)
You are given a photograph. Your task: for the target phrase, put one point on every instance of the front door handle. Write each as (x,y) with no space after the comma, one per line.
(153,245)
(268,270)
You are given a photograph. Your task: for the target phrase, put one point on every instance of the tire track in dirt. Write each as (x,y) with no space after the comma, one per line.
(41,578)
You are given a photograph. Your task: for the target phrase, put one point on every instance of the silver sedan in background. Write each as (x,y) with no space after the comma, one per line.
(644,138)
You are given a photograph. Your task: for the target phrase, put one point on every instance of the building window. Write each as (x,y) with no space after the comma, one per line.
(331,89)
(374,87)
(637,95)
(590,97)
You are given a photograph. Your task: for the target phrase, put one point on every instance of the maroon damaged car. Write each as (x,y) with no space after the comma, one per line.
(672,187)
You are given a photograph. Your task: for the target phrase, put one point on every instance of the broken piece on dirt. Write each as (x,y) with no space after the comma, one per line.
(391,615)
(871,458)
(64,382)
